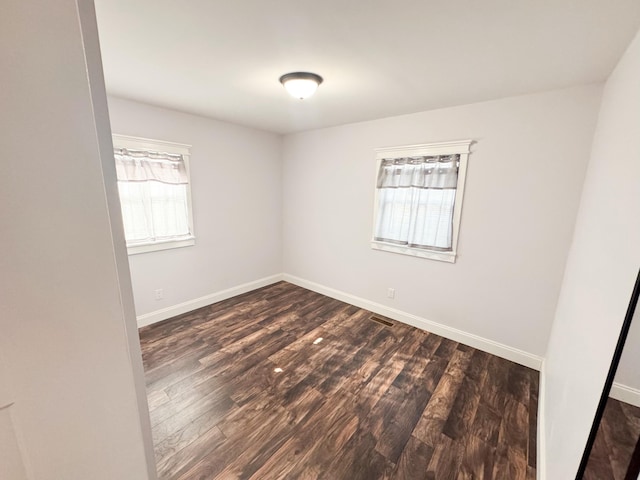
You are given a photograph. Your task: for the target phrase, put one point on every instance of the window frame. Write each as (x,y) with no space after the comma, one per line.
(459,147)
(139,143)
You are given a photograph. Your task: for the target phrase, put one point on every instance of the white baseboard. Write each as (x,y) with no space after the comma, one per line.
(625,394)
(618,391)
(475,341)
(541,461)
(180,308)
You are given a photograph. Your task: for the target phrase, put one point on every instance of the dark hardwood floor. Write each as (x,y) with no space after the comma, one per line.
(283,382)
(617,435)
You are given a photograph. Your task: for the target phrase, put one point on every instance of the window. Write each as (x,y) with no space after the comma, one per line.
(153,182)
(418,202)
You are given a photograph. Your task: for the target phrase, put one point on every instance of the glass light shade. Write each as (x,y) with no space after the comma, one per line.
(301,88)
(301,84)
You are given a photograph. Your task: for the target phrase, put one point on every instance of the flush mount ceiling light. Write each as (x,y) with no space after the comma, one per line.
(301,84)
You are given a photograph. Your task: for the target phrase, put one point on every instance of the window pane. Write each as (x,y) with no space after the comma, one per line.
(394,214)
(154,211)
(134,215)
(416,217)
(433,221)
(169,209)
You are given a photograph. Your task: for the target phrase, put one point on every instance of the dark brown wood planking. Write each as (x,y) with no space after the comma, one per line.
(245,389)
(617,435)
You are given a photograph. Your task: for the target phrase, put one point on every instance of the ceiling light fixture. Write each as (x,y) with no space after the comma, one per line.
(301,84)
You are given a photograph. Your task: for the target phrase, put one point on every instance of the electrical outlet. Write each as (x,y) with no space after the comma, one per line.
(159,294)
(391,292)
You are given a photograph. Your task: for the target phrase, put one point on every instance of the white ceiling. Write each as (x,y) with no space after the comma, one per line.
(223,58)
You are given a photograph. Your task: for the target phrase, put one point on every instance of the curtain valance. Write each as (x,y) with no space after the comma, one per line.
(435,172)
(144,166)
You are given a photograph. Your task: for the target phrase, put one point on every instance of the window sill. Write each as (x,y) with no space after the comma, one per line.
(449,257)
(137,248)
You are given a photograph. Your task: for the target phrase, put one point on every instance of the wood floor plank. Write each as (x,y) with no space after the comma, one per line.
(514,427)
(432,373)
(620,439)
(173,465)
(486,424)
(397,432)
(170,445)
(358,460)
(615,441)
(283,382)
(494,391)
(478,459)
(366,395)
(253,458)
(599,465)
(180,367)
(632,416)
(430,426)
(446,460)
(216,405)
(477,369)
(463,411)
(518,383)
(414,461)
(330,426)
(510,464)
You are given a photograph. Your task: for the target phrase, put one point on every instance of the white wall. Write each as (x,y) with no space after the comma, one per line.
(523,186)
(236,193)
(11,456)
(68,338)
(628,372)
(600,273)
(11,460)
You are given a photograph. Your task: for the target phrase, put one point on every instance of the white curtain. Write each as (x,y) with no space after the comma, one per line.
(416,197)
(153,195)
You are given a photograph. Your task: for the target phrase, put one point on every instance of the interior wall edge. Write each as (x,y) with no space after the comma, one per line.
(541,432)
(184,307)
(12,450)
(98,99)
(495,348)
(625,394)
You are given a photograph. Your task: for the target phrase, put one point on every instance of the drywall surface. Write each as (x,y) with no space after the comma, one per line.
(11,462)
(600,273)
(628,373)
(522,191)
(11,459)
(68,355)
(236,194)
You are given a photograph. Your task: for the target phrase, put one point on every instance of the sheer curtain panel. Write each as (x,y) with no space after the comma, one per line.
(416,198)
(153,190)
(418,201)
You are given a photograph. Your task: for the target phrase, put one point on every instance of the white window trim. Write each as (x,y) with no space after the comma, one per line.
(460,147)
(138,143)
(136,248)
